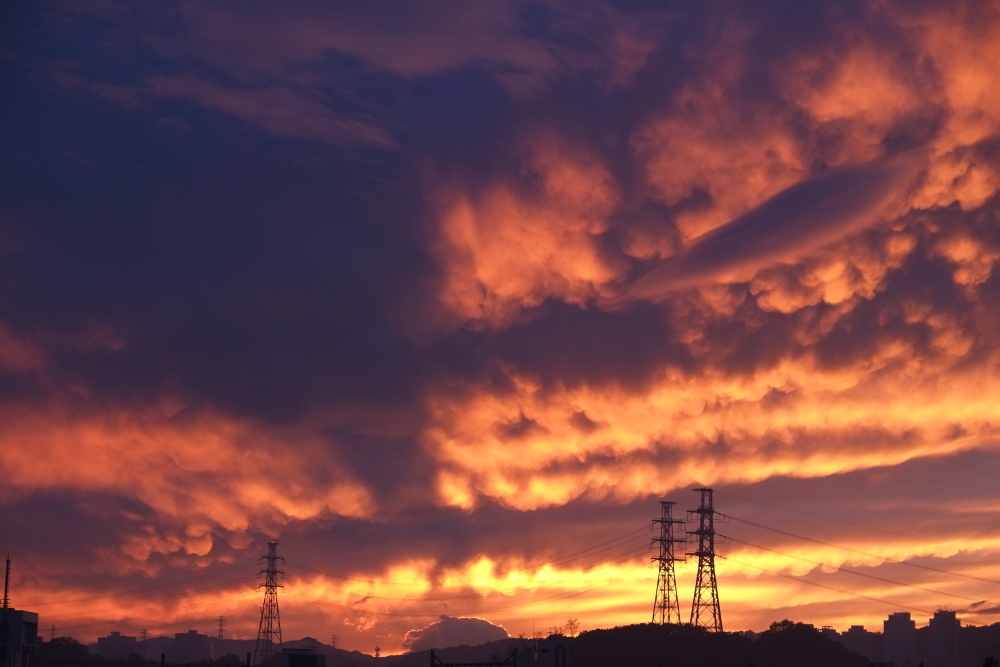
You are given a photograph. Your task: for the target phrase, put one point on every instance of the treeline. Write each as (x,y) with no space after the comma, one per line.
(786,644)
(68,652)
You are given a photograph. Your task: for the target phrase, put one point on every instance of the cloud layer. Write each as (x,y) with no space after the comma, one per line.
(446,298)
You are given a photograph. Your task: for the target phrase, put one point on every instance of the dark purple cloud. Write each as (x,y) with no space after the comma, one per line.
(795,222)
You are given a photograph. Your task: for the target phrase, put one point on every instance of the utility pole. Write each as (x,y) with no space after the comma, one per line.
(144,635)
(269,631)
(222,626)
(52,634)
(666,607)
(333,641)
(705,610)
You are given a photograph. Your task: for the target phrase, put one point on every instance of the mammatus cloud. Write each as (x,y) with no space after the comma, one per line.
(720,149)
(809,292)
(504,250)
(151,456)
(741,254)
(451,631)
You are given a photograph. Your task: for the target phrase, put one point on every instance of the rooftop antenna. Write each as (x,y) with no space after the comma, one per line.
(4,627)
(6,585)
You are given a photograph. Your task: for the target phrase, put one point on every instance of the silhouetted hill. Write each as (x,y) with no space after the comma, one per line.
(787,645)
(978,642)
(341,658)
(63,651)
(651,645)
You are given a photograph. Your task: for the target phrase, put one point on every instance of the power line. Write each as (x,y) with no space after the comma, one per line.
(155,614)
(829,588)
(577,555)
(557,596)
(818,516)
(574,556)
(179,596)
(369,611)
(616,559)
(178,582)
(863,553)
(222,585)
(560,596)
(563,595)
(473,596)
(854,572)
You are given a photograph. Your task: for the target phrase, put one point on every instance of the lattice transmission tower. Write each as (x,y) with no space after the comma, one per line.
(666,607)
(269,632)
(705,608)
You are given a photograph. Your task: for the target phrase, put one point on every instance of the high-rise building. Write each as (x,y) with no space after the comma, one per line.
(192,647)
(860,641)
(899,634)
(18,636)
(943,639)
(116,645)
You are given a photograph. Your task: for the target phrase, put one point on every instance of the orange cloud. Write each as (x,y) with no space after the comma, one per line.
(894,402)
(505,249)
(203,475)
(716,153)
(855,350)
(737,154)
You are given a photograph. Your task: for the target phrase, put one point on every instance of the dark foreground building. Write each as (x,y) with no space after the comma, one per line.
(18,636)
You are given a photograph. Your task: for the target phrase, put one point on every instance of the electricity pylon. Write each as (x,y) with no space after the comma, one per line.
(269,632)
(705,609)
(666,607)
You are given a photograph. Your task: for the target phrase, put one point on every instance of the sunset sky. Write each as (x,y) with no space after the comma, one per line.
(445,297)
